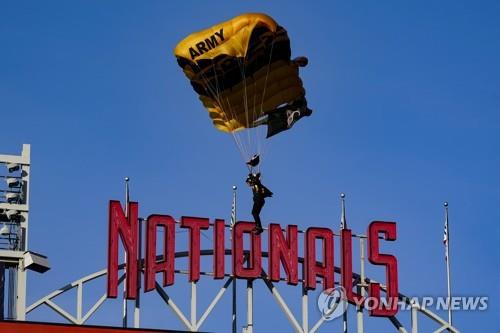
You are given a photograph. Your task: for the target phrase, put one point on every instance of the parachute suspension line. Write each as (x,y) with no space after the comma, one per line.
(236,137)
(215,91)
(227,111)
(237,140)
(257,129)
(253,135)
(259,132)
(265,85)
(245,98)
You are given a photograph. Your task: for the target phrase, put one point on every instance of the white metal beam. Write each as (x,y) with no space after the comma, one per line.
(305,310)
(214,302)
(193,304)
(289,315)
(249,327)
(174,307)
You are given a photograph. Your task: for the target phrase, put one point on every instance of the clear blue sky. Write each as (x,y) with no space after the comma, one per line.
(406,99)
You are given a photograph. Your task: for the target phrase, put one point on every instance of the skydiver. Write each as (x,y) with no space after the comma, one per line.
(260,192)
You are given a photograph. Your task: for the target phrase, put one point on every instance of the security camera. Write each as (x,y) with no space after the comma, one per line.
(13,182)
(12,197)
(36,262)
(11,213)
(11,167)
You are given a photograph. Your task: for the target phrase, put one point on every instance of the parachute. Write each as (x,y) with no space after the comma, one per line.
(244,76)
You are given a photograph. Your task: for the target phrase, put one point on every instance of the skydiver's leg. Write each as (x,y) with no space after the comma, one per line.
(257,208)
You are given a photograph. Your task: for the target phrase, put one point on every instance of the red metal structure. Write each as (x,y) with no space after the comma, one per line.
(32,327)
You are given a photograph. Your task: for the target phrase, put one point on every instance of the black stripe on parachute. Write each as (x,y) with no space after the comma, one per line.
(224,71)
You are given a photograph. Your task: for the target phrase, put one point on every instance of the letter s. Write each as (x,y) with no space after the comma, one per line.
(391,265)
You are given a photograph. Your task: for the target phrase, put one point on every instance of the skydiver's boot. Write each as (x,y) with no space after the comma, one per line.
(258,226)
(258,229)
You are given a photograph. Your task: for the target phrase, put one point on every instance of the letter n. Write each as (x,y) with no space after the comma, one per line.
(284,251)
(312,268)
(124,228)
(164,263)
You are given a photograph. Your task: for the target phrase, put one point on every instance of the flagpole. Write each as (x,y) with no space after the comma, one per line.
(233,221)
(448,271)
(343,225)
(124,314)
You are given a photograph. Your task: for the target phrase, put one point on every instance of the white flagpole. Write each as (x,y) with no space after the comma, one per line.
(124,314)
(446,241)
(233,221)
(343,222)
(233,207)
(137,305)
(343,225)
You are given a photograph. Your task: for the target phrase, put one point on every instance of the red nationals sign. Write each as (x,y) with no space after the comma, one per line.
(247,263)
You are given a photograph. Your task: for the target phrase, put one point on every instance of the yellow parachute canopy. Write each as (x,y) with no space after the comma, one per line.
(241,70)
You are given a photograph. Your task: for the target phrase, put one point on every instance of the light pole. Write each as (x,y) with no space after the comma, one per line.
(15,256)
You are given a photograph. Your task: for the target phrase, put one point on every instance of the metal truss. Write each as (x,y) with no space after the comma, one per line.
(193,322)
